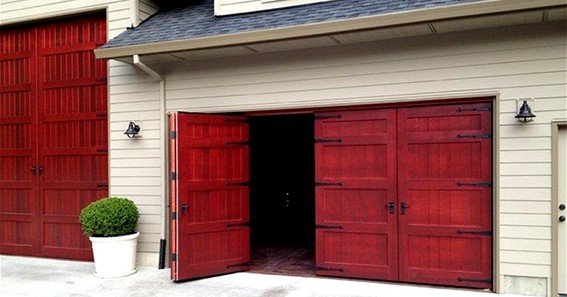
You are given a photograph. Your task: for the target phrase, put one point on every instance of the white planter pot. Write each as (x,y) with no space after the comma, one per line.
(115,256)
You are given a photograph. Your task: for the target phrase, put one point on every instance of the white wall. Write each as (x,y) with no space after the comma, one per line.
(226,7)
(511,63)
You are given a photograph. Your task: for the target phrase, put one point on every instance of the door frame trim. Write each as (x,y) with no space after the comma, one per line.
(490,96)
(555,126)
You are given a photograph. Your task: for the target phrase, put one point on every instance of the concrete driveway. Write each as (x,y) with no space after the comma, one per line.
(23,276)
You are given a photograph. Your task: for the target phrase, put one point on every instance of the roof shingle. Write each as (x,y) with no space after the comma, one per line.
(198,20)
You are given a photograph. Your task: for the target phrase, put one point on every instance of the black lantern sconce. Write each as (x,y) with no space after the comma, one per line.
(133,130)
(525,114)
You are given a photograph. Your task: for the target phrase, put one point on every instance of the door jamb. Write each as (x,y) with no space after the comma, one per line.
(555,125)
(495,195)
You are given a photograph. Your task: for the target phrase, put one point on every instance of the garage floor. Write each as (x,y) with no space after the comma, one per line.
(44,277)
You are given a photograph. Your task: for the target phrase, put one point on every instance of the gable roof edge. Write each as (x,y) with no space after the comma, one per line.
(330,27)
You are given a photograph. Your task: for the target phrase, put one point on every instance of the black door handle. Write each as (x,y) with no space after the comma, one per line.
(403,207)
(391,207)
(184,208)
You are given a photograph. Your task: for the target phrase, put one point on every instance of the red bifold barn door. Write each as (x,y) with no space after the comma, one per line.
(445,176)
(210,195)
(355,165)
(53,135)
(405,194)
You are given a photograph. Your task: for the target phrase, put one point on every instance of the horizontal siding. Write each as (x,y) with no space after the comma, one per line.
(136,165)
(30,10)
(513,62)
(225,7)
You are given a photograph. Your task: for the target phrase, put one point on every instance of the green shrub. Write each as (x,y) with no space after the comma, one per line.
(112,216)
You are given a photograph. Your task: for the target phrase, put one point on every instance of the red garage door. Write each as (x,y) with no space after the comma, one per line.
(405,194)
(445,181)
(53,135)
(355,173)
(210,194)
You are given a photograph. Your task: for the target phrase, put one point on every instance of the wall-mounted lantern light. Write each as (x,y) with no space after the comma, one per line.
(133,130)
(525,114)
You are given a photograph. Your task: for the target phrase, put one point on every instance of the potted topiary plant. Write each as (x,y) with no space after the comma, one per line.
(111,226)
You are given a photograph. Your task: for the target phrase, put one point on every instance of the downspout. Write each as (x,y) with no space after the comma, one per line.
(163,212)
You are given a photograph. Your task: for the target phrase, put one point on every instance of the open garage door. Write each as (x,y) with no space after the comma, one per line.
(209,195)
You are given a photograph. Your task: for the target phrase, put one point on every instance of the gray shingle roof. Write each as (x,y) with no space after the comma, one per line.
(198,19)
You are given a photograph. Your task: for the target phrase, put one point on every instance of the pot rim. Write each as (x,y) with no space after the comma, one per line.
(115,238)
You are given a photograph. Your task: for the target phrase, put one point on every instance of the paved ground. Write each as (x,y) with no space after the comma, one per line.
(20,276)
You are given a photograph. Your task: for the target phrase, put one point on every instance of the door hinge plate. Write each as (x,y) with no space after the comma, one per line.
(484,232)
(328,140)
(173,134)
(478,185)
(242,224)
(323,268)
(237,120)
(475,280)
(174,176)
(173,257)
(323,184)
(174,215)
(486,108)
(238,265)
(318,226)
(477,136)
(325,116)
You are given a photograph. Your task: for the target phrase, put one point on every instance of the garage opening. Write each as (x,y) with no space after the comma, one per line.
(282,197)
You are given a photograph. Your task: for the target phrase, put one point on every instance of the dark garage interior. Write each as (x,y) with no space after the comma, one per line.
(282,194)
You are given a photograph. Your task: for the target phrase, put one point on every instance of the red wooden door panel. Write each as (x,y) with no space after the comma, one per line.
(72,131)
(445,175)
(18,152)
(53,118)
(355,173)
(211,200)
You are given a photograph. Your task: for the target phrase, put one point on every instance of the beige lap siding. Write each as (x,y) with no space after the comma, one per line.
(136,164)
(512,62)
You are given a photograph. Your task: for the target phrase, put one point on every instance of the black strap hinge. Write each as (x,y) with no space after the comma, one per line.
(475,280)
(238,265)
(485,232)
(173,257)
(237,120)
(478,185)
(237,184)
(237,224)
(480,135)
(328,140)
(318,226)
(325,116)
(486,108)
(244,142)
(322,184)
(323,268)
